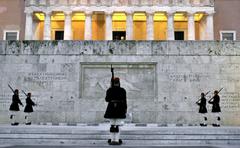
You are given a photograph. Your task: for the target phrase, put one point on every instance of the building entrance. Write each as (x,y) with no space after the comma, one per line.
(119,35)
(59,35)
(179,35)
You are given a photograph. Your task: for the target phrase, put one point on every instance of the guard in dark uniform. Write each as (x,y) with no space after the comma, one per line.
(14,108)
(116,110)
(203,109)
(216,108)
(28,108)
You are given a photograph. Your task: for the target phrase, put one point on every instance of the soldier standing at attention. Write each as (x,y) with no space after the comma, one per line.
(14,108)
(202,109)
(216,108)
(116,109)
(28,109)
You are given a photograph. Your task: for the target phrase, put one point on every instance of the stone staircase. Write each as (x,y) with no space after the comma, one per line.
(132,135)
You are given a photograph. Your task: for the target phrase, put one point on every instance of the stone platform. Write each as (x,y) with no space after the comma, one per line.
(132,135)
(163,79)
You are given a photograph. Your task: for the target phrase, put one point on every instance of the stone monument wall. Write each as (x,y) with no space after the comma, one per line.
(163,80)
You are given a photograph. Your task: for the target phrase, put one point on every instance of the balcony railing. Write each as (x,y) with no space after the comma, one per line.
(208,3)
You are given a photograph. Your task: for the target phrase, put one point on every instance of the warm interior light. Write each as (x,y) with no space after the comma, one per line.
(58,16)
(139,16)
(122,16)
(198,16)
(40,16)
(119,17)
(78,16)
(160,17)
(180,17)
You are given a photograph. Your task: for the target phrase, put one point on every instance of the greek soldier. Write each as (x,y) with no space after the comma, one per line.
(202,109)
(216,108)
(28,108)
(116,110)
(14,108)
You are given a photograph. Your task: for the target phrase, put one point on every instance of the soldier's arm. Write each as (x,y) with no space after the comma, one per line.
(107,98)
(125,99)
(33,103)
(19,101)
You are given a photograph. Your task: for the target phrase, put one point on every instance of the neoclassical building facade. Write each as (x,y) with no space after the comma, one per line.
(119,19)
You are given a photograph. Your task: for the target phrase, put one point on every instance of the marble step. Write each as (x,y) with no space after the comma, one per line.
(132,136)
(99,136)
(125,142)
(124,130)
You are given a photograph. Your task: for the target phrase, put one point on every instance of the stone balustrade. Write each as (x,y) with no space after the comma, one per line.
(121,2)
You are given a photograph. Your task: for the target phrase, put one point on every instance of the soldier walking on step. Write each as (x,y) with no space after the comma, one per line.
(116,109)
(202,109)
(14,108)
(28,109)
(215,100)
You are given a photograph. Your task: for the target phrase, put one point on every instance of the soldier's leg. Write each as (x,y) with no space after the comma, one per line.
(204,119)
(27,117)
(112,130)
(115,133)
(12,117)
(218,119)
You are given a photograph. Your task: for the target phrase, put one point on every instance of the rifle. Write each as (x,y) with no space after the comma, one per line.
(27,96)
(24,93)
(112,71)
(200,97)
(10,88)
(213,96)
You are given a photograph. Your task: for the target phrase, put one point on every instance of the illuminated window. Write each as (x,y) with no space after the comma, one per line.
(78,16)
(139,17)
(160,17)
(198,16)
(40,16)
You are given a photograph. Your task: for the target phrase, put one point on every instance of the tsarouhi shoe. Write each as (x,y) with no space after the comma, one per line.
(203,124)
(28,123)
(120,141)
(115,142)
(14,124)
(215,125)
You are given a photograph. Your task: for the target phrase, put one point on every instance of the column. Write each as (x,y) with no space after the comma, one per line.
(209,26)
(88,26)
(29,26)
(68,25)
(47,26)
(150,26)
(187,2)
(108,34)
(129,26)
(191,26)
(170,28)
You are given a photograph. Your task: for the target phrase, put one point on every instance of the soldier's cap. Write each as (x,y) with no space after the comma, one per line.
(116,79)
(216,92)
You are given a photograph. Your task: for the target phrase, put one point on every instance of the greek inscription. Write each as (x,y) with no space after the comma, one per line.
(184,77)
(41,76)
(230,101)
